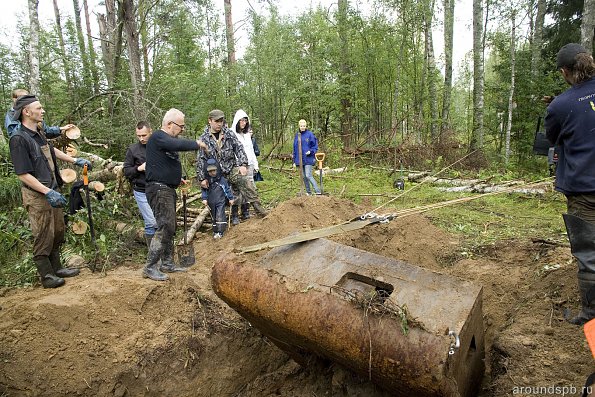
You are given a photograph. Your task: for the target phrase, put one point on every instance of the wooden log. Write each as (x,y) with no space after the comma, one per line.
(79,227)
(68,175)
(75,261)
(195,226)
(97,186)
(71,150)
(66,137)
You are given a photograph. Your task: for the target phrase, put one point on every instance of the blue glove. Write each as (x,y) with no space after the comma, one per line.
(55,199)
(81,163)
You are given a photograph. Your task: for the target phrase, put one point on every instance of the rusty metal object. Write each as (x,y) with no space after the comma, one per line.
(304,297)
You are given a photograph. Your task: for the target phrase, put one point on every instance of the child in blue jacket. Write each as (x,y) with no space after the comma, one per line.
(309,145)
(216,196)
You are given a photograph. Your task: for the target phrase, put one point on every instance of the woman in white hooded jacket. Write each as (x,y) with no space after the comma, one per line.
(243,130)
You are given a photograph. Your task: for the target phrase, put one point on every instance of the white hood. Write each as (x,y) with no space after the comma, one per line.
(246,138)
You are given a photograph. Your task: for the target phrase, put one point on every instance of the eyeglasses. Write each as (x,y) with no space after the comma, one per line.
(182,126)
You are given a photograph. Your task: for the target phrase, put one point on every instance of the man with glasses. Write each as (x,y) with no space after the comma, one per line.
(223,146)
(163,172)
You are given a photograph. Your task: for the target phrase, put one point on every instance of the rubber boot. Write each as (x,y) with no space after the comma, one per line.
(167,264)
(46,273)
(581,235)
(234,215)
(259,209)
(148,239)
(57,266)
(151,268)
(245,212)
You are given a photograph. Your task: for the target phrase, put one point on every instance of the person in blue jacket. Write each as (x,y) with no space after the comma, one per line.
(309,144)
(216,196)
(12,124)
(570,125)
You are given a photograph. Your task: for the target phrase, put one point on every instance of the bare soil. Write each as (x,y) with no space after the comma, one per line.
(117,334)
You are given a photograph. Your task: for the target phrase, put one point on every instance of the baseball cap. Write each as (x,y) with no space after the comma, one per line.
(216,114)
(567,55)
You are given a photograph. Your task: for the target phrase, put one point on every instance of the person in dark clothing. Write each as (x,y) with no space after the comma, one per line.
(12,125)
(134,170)
(35,164)
(163,175)
(570,125)
(216,196)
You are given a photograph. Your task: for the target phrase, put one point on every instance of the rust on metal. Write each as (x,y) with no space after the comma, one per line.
(323,298)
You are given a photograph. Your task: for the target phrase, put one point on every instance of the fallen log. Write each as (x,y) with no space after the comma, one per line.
(195,226)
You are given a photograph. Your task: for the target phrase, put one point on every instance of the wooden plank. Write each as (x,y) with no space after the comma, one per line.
(312,234)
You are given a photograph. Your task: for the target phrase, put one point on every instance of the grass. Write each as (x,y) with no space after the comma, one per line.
(477,223)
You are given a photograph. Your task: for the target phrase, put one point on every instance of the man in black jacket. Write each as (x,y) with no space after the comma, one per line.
(134,169)
(163,175)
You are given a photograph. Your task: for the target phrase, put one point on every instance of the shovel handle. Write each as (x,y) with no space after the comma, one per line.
(85,176)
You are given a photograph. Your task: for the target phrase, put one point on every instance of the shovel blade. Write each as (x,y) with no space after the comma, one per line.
(186,256)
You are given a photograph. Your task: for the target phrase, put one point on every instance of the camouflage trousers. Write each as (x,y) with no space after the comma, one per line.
(243,191)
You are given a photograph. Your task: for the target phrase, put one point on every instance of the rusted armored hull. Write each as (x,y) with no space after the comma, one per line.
(302,305)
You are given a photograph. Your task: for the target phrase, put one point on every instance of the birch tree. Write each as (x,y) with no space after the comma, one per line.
(344,73)
(449,11)
(478,77)
(588,25)
(92,54)
(81,42)
(537,41)
(131,31)
(65,63)
(34,76)
(512,85)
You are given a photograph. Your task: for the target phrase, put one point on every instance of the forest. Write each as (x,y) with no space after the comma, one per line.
(437,150)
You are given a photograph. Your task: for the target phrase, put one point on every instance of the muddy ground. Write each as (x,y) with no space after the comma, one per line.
(117,334)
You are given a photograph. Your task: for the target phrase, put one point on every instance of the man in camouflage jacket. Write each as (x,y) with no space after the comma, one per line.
(223,146)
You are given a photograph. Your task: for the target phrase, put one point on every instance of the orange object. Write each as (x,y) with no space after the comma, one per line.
(320,158)
(85,176)
(590,335)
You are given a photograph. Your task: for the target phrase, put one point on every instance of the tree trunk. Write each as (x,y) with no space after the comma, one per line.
(537,40)
(65,63)
(81,43)
(431,71)
(231,51)
(34,77)
(511,95)
(478,77)
(92,54)
(144,38)
(345,73)
(449,11)
(132,33)
(588,25)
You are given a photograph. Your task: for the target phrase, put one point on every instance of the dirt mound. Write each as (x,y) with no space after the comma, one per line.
(118,334)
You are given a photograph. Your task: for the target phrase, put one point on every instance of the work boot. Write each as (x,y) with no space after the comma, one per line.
(57,266)
(167,263)
(259,209)
(245,212)
(46,273)
(587,292)
(581,235)
(151,268)
(234,215)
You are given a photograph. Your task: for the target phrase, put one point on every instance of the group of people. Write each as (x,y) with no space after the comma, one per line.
(225,165)
(225,168)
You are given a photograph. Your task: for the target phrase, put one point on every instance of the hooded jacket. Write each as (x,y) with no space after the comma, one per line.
(309,144)
(218,191)
(245,138)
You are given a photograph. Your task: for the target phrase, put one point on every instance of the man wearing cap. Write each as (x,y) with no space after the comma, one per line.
(223,146)
(570,125)
(163,174)
(34,161)
(11,125)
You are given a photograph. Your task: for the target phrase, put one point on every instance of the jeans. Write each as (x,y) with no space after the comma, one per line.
(308,178)
(146,212)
